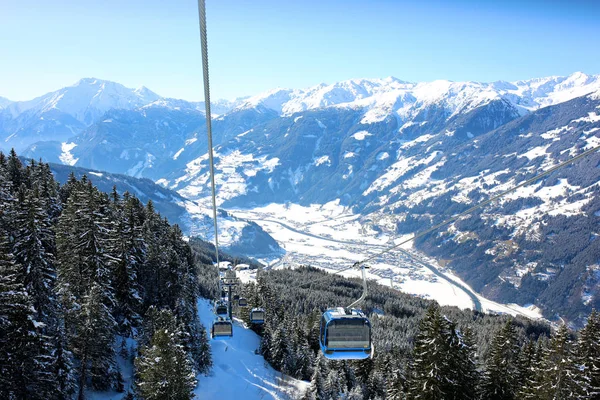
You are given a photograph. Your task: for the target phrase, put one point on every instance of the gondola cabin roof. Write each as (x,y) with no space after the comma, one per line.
(340,313)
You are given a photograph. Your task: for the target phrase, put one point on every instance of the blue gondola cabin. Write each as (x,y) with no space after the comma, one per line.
(345,335)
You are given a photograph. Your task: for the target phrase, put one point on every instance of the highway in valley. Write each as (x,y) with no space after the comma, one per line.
(375,247)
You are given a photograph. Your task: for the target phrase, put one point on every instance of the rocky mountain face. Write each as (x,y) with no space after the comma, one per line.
(417,151)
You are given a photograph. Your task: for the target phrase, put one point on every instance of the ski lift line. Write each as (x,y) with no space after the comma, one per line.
(204,45)
(364,293)
(457,216)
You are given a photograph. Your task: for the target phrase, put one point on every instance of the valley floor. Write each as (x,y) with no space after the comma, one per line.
(332,238)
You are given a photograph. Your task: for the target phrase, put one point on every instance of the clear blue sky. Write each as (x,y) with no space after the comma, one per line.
(255,45)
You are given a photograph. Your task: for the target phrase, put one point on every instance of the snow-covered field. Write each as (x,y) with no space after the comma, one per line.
(239,373)
(331,237)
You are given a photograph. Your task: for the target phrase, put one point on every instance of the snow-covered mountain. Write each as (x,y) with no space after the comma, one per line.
(417,151)
(62,114)
(390,96)
(86,100)
(4,102)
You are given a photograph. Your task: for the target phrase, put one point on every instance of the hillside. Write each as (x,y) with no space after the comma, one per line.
(238,236)
(413,153)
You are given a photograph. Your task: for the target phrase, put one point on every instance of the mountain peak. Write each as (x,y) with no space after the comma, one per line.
(4,102)
(90,82)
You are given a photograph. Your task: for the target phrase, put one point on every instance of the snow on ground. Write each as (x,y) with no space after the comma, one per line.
(66,157)
(490,306)
(126,367)
(535,152)
(240,373)
(176,156)
(231,171)
(331,237)
(361,135)
(201,223)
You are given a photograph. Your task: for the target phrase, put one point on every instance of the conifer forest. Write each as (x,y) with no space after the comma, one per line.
(92,281)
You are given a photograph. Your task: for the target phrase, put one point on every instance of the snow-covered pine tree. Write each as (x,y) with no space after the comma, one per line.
(500,380)
(396,388)
(84,280)
(65,190)
(182,278)
(14,170)
(561,379)
(48,188)
(34,249)
(317,389)
(280,353)
(126,247)
(463,374)
(63,369)
(429,370)
(153,274)
(303,355)
(204,362)
(525,366)
(25,358)
(588,355)
(98,336)
(266,341)
(533,379)
(333,385)
(164,370)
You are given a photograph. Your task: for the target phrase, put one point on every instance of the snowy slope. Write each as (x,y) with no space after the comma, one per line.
(239,373)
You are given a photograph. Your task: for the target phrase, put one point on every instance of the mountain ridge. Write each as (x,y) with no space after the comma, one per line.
(417,154)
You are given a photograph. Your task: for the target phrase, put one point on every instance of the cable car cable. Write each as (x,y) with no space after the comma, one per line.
(204,44)
(457,216)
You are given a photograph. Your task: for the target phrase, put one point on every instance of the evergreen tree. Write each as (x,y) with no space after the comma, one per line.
(396,385)
(92,342)
(428,380)
(34,250)
(63,368)
(84,280)
(154,273)
(560,378)
(588,355)
(164,370)
(25,358)
(500,380)
(126,248)
(333,387)
(464,377)
(14,169)
(317,389)
(526,365)
(204,362)
(533,378)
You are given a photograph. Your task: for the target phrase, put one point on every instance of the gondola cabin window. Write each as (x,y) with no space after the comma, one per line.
(348,333)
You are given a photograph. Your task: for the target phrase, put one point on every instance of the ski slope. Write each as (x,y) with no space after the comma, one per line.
(238,372)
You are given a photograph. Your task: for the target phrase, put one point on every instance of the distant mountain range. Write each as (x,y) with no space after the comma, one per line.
(415,152)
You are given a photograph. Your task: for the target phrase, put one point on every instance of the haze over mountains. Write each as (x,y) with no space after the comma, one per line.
(418,152)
